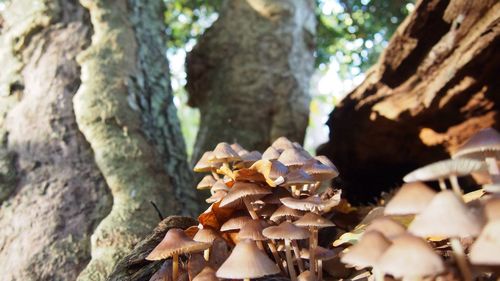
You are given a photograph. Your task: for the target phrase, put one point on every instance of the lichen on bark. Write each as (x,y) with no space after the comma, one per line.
(124,109)
(249,73)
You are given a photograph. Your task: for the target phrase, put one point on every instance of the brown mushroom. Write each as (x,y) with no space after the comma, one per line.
(174,243)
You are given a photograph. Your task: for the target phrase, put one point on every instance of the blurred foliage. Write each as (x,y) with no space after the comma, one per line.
(187,19)
(356,31)
(352,31)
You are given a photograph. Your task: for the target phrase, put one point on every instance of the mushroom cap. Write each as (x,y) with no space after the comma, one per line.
(247,261)
(250,157)
(286,230)
(445,168)
(218,195)
(311,203)
(410,256)
(175,242)
(313,220)
(492,209)
(282,143)
(218,186)
(206,235)
(387,226)
(275,197)
(237,148)
(446,216)
(253,230)
(487,246)
(293,157)
(235,223)
(284,212)
(207,274)
(484,142)
(325,161)
(307,276)
(321,253)
(241,190)
(492,187)
(367,251)
(204,165)
(223,152)
(271,153)
(412,198)
(319,171)
(298,176)
(206,182)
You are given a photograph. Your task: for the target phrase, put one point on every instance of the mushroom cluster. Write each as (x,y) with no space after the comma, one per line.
(445,230)
(265,213)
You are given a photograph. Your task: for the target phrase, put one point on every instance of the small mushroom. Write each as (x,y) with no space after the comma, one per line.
(313,222)
(321,254)
(487,246)
(410,257)
(287,231)
(447,216)
(411,199)
(271,154)
(451,168)
(206,235)
(282,143)
(174,243)
(247,261)
(204,165)
(207,274)
(485,144)
(367,251)
(244,192)
(387,226)
(235,223)
(206,182)
(293,158)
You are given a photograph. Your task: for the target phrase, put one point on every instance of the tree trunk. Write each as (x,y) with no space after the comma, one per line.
(88,136)
(433,87)
(249,73)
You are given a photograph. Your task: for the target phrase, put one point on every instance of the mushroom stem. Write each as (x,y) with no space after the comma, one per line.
(296,251)
(461,259)
(250,208)
(442,184)
(379,275)
(259,244)
(246,279)
(289,261)
(215,175)
(454,185)
(294,191)
(175,266)
(277,258)
(320,270)
(493,170)
(206,254)
(313,244)
(315,187)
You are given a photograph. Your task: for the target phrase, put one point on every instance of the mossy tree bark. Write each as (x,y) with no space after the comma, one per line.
(249,73)
(434,86)
(88,136)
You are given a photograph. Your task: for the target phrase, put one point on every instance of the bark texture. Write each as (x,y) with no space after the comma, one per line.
(88,136)
(433,87)
(52,193)
(124,109)
(249,73)
(134,266)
